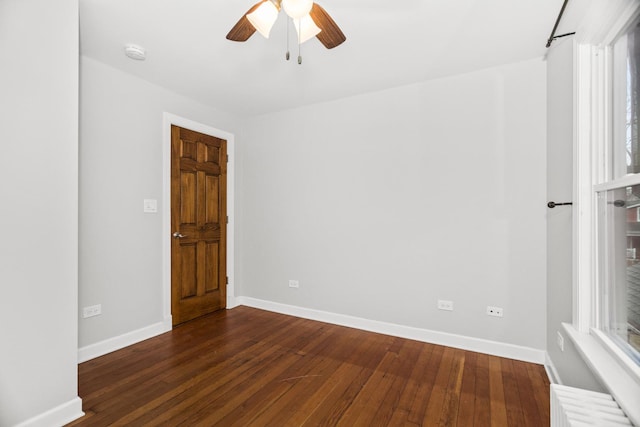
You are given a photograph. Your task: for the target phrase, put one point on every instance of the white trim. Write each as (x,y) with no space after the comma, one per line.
(58,416)
(552,372)
(479,345)
(616,379)
(625,181)
(627,12)
(627,363)
(583,196)
(168,120)
(605,21)
(116,343)
(233,302)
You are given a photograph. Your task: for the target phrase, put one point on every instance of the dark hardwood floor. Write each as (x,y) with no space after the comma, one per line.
(247,367)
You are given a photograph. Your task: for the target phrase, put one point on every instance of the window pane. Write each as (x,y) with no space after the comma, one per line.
(626,69)
(619,252)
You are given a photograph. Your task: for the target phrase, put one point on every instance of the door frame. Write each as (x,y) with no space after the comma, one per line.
(169,119)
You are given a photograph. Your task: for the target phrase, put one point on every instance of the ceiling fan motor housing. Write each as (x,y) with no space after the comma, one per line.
(297,9)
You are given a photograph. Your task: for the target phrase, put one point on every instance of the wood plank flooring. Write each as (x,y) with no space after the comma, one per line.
(248,367)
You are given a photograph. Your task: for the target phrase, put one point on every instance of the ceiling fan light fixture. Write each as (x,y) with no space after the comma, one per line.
(264,17)
(297,9)
(306,28)
(309,18)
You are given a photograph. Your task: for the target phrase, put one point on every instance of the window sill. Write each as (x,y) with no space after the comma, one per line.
(616,377)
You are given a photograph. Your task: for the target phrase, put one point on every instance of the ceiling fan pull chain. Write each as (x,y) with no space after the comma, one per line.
(299,44)
(288,55)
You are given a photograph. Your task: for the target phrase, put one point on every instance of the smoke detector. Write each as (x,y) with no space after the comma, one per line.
(135,52)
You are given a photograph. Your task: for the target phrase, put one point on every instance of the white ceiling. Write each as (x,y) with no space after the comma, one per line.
(389,43)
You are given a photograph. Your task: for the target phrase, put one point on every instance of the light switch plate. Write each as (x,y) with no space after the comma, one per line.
(150,206)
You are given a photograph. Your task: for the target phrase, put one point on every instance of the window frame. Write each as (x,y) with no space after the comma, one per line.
(593,164)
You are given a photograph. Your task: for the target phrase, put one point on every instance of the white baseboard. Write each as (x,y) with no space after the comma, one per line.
(479,345)
(232,302)
(552,372)
(58,416)
(116,343)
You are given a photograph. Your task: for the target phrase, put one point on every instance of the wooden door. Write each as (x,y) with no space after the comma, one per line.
(198,224)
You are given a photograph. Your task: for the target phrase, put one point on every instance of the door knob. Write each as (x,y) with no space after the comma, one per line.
(178,235)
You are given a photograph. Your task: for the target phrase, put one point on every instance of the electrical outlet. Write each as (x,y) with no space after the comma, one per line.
(445,305)
(150,206)
(560,341)
(494,311)
(294,284)
(93,310)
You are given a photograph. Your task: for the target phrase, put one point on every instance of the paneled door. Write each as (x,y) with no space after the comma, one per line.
(198,224)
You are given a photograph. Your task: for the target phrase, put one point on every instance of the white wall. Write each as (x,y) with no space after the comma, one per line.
(570,367)
(382,203)
(38,190)
(120,165)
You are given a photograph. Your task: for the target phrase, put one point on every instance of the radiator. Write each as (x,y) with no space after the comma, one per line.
(574,407)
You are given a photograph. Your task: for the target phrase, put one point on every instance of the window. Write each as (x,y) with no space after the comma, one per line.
(606,324)
(618,203)
(625,64)
(618,240)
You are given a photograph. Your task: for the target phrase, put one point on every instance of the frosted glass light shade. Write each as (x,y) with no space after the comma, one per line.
(306,28)
(297,9)
(264,17)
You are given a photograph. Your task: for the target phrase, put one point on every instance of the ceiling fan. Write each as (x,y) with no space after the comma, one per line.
(309,18)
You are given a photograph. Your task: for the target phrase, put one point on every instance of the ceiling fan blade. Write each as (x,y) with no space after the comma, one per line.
(331,35)
(243,28)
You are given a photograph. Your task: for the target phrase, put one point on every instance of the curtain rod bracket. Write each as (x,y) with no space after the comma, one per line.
(553,36)
(558,37)
(552,205)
